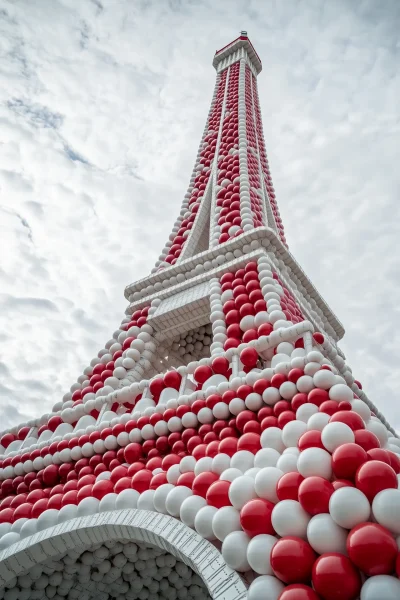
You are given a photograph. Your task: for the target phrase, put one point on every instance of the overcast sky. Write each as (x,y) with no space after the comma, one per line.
(102,105)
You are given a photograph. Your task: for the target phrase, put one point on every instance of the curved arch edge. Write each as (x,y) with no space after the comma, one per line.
(161,530)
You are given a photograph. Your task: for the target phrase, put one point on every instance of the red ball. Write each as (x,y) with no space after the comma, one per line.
(141,480)
(346,459)
(202,373)
(172,379)
(372,549)
(374,476)
(186,479)
(310,439)
(217,494)
(269,422)
(339,483)
(351,418)
(23,511)
(250,442)
(298,591)
(295,374)
(285,418)
(249,357)
(329,407)
(244,417)
(318,396)
(122,484)
(298,400)
(255,517)
(379,454)
(366,439)
(288,485)
(318,337)
(228,446)
(50,475)
(335,577)
(133,452)
(292,560)
(202,483)
(314,495)
(102,488)
(220,365)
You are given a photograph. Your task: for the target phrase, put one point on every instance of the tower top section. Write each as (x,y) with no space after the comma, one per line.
(234,50)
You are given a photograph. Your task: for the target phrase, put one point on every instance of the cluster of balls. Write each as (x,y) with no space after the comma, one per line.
(252,155)
(130,343)
(202,174)
(229,223)
(289,481)
(265,164)
(119,570)
(252,303)
(194,344)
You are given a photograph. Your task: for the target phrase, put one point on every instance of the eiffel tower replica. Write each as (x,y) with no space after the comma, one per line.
(218,446)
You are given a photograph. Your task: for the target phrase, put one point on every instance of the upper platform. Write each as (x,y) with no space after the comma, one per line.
(241,42)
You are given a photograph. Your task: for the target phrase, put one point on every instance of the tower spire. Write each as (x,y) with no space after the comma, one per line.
(223,401)
(230,191)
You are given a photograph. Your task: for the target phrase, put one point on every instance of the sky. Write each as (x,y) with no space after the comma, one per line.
(102,106)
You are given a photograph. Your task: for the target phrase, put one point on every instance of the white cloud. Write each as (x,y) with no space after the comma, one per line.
(102,106)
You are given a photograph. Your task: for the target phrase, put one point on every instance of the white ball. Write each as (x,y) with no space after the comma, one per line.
(386,509)
(225,521)
(28,528)
(287,390)
(292,432)
(175,499)
(266,457)
(173,474)
(361,409)
(258,553)
(266,587)
(236,406)
(317,421)
(203,522)
(203,465)
(220,463)
(305,411)
(335,434)
(383,587)
(108,502)
(234,551)
(270,396)
(379,430)
(305,383)
(70,511)
(324,379)
(241,491)
(242,460)
(315,461)
(89,506)
(9,539)
(189,509)
(289,518)
(254,401)
(272,438)
(146,500)
(187,464)
(340,392)
(221,410)
(287,463)
(348,507)
(230,474)
(325,535)
(47,519)
(266,481)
